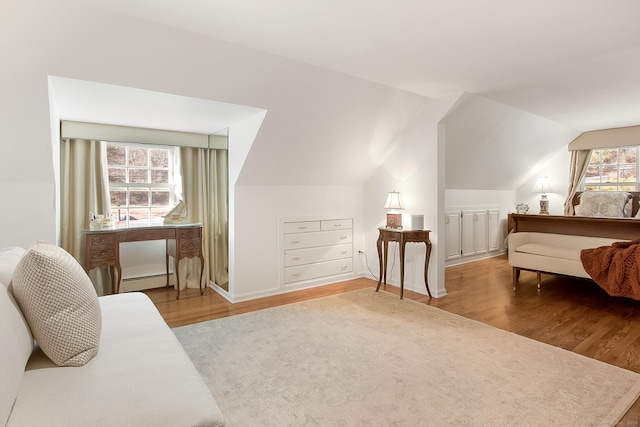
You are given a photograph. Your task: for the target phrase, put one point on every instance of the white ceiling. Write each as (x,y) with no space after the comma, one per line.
(576,62)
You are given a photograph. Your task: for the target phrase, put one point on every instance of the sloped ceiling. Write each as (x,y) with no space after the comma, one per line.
(575,62)
(492,146)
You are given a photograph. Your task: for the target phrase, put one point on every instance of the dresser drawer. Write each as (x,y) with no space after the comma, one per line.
(315,239)
(336,224)
(301,226)
(321,269)
(323,253)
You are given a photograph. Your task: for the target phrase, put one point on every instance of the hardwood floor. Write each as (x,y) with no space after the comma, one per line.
(570,313)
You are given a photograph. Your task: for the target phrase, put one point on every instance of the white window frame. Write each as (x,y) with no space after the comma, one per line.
(173,186)
(613,186)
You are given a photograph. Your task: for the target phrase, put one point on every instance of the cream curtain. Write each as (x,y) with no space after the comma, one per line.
(84,188)
(205,192)
(577,170)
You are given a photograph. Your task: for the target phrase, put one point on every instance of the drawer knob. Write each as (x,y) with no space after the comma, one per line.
(295,274)
(295,258)
(302,227)
(343,237)
(344,267)
(295,241)
(343,252)
(337,225)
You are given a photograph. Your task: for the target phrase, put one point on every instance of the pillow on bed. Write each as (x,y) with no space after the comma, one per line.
(59,303)
(614,204)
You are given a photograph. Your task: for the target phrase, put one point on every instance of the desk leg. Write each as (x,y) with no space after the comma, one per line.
(379,245)
(201,272)
(119,268)
(166,261)
(426,266)
(112,276)
(402,249)
(176,268)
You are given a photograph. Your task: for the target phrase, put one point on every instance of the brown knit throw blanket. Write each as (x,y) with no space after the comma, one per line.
(615,268)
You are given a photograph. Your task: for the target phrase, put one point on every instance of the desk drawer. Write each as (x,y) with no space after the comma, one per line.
(188,233)
(98,240)
(321,269)
(190,246)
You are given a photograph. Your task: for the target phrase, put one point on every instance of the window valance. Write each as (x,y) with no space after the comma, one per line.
(116,133)
(605,138)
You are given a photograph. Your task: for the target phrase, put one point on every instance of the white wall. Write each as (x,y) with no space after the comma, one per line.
(322,129)
(557,170)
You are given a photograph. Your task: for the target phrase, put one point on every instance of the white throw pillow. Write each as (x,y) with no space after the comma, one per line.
(60,304)
(615,204)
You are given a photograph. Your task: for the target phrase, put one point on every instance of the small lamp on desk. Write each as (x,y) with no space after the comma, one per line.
(542,186)
(394,204)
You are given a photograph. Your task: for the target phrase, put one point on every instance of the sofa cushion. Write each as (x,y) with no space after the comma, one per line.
(141,377)
(552,251)
(60,304)
(616,204)
(17,344)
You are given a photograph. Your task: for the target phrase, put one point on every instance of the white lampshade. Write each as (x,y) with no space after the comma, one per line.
(542,186)
(393,201)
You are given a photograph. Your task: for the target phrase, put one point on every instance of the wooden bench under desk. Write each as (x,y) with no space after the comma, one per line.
(617,228)
(101,248)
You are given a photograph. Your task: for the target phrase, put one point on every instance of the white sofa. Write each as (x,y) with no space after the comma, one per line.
(550,253)
(140,376)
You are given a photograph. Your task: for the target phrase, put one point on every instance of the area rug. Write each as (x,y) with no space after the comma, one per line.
(370,359)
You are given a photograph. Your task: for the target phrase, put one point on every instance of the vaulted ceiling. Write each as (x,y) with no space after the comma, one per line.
(575,62)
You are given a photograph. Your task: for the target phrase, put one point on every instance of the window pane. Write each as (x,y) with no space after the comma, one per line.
(609,174)
(116,156)
(628,173)
(160,198)
(160,176)
(139,197)
(118,197)
(159,212)
(628,154)
(159,158)
(610,156)
(592,175)
(139,176)
(595,157)
(591,188)
(609,188)
(138,156)
(139,214)
(118,175)
(627,188)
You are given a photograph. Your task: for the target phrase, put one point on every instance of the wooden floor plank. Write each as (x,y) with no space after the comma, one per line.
(574,314)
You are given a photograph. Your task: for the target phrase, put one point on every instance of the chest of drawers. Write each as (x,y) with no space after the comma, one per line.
(317,248)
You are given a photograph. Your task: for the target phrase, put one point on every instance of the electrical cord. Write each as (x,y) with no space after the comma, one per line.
(393,263)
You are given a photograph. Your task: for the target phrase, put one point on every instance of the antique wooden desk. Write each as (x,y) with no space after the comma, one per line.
(402,237)
(101,248)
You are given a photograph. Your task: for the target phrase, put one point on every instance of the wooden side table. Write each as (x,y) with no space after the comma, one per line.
(402,237)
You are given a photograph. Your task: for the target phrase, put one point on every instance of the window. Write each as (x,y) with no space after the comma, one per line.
(141,181)
(612,169)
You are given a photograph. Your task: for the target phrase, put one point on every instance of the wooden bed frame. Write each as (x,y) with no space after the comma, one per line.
(616,228)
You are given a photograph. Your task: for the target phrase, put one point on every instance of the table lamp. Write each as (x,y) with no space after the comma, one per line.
(394,204)
(542,186)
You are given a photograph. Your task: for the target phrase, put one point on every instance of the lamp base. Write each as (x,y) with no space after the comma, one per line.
(394,220)
(544,205)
